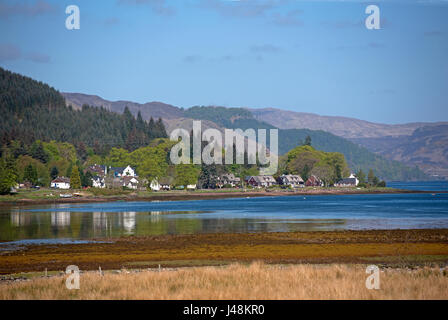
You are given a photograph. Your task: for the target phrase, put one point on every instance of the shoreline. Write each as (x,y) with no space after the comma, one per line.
(194,195)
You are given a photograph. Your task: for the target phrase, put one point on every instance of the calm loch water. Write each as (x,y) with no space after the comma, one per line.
(69,222)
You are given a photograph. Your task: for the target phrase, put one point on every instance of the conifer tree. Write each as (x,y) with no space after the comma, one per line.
(30,174)
(75,179)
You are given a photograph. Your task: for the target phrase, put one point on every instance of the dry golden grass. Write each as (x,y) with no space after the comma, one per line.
(255,281)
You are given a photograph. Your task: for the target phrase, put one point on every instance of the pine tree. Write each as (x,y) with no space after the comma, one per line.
(208,177)
(128,118)
(371,178)
(305,172)
(307,141)
(361,176)
(68,173)
(86,179)
(38,152)
(7,177)
(160,128)
(140,122)
(132,142)
(75,179)
(151,129)
(54,173)
(30,174)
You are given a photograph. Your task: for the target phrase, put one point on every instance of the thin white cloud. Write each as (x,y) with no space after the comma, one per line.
(244,8)
(38,57)
(25,8)
(160,7)
(9,52)
(289,19)
(192,58)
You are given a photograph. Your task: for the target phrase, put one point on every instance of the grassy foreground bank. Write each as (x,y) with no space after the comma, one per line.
(237,281)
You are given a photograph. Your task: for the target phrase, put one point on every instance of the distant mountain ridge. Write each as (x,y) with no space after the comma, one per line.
(357,156)
(340,126)
(372,136)
(427,147)
(349,128)
(151,109)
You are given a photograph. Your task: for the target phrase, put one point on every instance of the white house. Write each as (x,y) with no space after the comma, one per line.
(60,183)
(261,181)
(129,171)
(130,182)
(123,172)
(155,185)
(228,179)
(292,180)
(351,181)
(98,182)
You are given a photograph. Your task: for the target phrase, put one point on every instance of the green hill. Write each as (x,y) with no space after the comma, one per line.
(32,110)
(305,161)
(357,157)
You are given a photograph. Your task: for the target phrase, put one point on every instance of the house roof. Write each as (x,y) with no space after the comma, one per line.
(166,180)
(97,167)
(313,179)
(262,179)
(128,179)
(121,169)
(347,181)
(230,177)
(292,178)
(61,180)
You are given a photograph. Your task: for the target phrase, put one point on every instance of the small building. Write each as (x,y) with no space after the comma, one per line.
(123,171)
(294,181)
(98,182)
(314,181)
(97,170)
(155,185)
(229,179)
(164,184)
(261,181)
(351,181)
(130,182)
(129,171)
(60,183)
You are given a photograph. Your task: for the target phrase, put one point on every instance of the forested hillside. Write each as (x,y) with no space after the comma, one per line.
(427,147)
(32,110)
(357,157)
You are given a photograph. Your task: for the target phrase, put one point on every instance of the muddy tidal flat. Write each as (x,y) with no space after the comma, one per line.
(388,247)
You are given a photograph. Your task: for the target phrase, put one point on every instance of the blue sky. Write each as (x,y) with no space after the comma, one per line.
(308,56)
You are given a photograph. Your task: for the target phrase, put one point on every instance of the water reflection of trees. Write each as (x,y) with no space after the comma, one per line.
(62,223)
(60,219)
(19,219)
(107,224)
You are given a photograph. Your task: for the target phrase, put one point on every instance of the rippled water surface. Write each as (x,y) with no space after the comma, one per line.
(68,222)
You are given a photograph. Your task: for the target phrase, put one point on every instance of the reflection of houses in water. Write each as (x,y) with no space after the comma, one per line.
(101,223)
(110,223)
(60,219)
(128,219)
(20,219)
(155,216)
